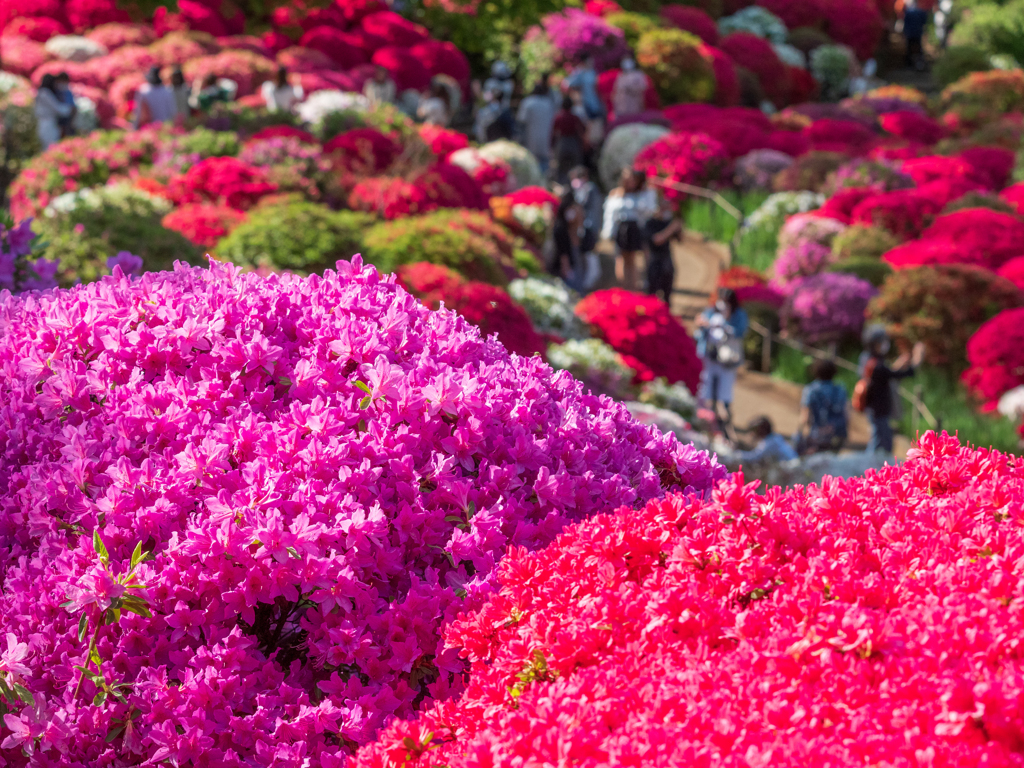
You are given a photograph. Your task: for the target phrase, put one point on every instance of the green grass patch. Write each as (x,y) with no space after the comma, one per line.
(755,249)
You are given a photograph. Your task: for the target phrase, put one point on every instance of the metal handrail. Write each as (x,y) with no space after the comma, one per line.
(915,401)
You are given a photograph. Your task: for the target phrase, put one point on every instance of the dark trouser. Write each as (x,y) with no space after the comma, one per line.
(661,275)
(881,433)
(914,51)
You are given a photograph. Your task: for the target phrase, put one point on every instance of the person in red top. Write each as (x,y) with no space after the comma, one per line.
(567,141)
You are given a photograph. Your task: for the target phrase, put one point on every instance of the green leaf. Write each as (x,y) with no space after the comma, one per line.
(365,402)
(86,672)
(137,555)
(101,550)
(94,655)
(363,386)
(99,699)
(24,694)
(68,604)
(83,627)
(115,733)
(139,610)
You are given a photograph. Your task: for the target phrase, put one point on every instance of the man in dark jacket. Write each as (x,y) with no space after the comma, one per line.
(880,399)
(914,21)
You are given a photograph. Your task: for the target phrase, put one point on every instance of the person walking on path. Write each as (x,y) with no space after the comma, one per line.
(720,332)
(625,213)
(536,118)
(915,19)
(824,411)
(154,102)
(567,136)
(629,90)
(49,109)
(659,232)
(877,380)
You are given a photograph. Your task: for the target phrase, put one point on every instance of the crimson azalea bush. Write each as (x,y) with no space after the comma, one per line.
(753,630)
(224,180)
(487,307)
(995,356)
(692,20)
(1013,270)
(911,124)
(683,158)
(856,23)
(363,151)
(904,213)
(642,330)
(941,306)
(203,223)
(442,185)
(280,490)
(757,55)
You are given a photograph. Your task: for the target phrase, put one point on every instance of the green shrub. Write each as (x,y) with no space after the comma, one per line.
(470,242)
(207,143)
(234,116)
(83,229)
(297,236)
(993,28)
(633,25)
(983,97)
(875,271)
(676,66)
(861,242)
(386,118)
(960,60)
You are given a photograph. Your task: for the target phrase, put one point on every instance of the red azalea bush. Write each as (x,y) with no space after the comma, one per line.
(740,129)
(845,136)
(855,23)
(342,48)
(405,69)
(83,15)
(1013,270)
(995,355)
(21,56)
(486,306)
(750,286)
(910,124)
(301,60)
(203,223)
(448,186)
(797,13)
(442,141)
(842,204)
(393,29)
(780,630)
(389,197)
(727,83)
(643,331)
(532,196)
(362,151)
(36,28)
(442,58)
(17,9)
(904,212)
(687,158)
(224,180)
(984,236)
(758,56)
(283,131)
(692,20)
(1014,195)
(987,166)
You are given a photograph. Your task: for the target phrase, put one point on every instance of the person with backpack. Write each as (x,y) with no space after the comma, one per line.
(720,332)
(874,394)
(823,411)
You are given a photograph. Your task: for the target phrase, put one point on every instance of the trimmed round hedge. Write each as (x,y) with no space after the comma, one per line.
(298,236)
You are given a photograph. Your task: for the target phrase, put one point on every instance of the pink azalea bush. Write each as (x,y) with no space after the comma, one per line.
(869,621)
(236,511)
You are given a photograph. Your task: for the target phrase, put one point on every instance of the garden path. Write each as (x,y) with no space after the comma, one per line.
(697,265)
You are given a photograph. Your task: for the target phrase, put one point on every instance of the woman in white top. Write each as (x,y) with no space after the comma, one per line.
(625,212)
(279,94)
(48,109)
(433,110)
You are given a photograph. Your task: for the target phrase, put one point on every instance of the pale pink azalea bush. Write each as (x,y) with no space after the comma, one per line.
(236,511)
(866,622)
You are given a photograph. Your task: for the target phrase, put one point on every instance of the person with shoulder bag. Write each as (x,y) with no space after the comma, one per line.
(874,394)
(720,332)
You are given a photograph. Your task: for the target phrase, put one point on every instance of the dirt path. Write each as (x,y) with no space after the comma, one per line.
(756,394)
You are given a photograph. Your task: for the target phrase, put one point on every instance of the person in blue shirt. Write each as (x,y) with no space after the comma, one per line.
(584,77)
(720,332)
(771,446)
(824,412)
(65,96)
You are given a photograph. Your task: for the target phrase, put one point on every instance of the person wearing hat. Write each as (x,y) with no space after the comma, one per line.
(879,400)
